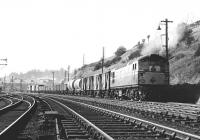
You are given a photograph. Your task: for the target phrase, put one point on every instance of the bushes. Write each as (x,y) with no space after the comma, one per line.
(197,53)
(179,56)
(116,59)
(121,50)
(188,37)
(113,61)
(107,63)
(98,65)
(134,55)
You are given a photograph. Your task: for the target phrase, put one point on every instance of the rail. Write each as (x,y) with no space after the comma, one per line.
(9,100)
(12,105)
(166,130)
(106,136)
(11,128)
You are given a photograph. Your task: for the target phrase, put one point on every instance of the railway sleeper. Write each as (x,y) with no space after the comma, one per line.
(171,135)
(111,125)
(93,119)
(73,130)
(124,130)
(105,123)
(134,136)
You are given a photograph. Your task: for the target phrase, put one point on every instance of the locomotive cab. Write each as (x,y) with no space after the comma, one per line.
(153,70)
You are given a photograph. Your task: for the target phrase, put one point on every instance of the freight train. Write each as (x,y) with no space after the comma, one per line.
(144,78)
(139,80)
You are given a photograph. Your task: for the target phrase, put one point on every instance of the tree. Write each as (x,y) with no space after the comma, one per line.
(121,50)
(197,53)
(188,37)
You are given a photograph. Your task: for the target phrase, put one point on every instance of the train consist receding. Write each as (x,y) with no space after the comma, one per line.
(133,81)
(142,79)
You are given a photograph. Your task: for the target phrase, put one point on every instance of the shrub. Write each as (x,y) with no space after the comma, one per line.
(197,53)
(113,61)
(188,37)
(116,59)
(179,56)
(98,65)
(121,50)
(134,55)
(108,63)
(84,66)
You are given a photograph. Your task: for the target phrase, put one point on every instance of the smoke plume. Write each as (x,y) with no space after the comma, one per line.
(157,44)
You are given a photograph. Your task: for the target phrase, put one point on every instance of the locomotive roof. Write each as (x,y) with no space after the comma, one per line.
(146,57)
(152,57)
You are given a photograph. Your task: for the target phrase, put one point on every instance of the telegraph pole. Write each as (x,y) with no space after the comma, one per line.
(4,83)
(102,60)
(166,21)
(5,64)
(21,85)
(68,73)
(65,75)
(12,84)
(53,79)
(83,59)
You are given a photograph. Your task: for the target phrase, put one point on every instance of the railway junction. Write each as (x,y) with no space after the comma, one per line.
(65,117)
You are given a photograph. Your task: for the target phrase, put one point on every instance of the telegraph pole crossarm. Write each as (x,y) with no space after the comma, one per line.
(166,21)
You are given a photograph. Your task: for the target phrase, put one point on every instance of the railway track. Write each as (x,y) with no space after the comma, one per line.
(152,129)
(98,125)
(184,117)
(37,126)
(69,126)
(15,116)
(5,102)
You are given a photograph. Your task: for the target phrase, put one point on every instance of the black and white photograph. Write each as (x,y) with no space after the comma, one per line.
(99,70)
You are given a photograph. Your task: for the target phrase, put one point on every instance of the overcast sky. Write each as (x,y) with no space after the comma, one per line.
(50,34)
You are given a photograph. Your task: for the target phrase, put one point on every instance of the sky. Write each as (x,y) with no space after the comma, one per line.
(52,34)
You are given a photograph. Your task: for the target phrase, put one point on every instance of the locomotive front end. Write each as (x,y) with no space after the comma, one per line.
(153,70)
(153,77)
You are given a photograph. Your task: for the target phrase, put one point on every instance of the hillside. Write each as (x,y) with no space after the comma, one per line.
(184,57)
(185,62)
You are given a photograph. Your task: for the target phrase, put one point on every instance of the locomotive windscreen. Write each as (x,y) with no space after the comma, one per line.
(154,63)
